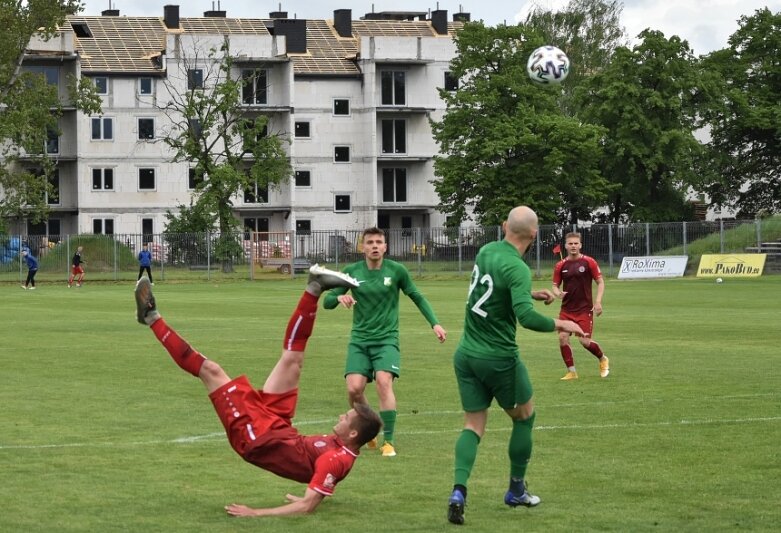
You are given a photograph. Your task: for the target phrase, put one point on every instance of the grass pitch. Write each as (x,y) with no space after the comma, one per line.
(100,431)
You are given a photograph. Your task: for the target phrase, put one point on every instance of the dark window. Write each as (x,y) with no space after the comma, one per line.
(394,185)
(393,88)
(254,87)
(383,221)
(303,227)
(145,86)
(102,129)
(146,179)
(194,79)
(147,229)
(394,137)
(195,128)
(53,196)
(256,194)
(303,178)
(52,141)
(194,179)
(103,226)
(50,74)
(342,203)
(146,128)
(101,85)
(102,179)
(302,129)
(342,154)
(451,82)
(341,106)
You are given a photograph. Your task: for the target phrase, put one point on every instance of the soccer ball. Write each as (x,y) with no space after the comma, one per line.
(548,64)
(719,280)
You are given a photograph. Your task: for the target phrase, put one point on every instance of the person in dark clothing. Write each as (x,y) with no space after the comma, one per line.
(145,263)
(32,269)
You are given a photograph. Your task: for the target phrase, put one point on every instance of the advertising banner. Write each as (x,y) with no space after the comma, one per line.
(731,265)
(659,266)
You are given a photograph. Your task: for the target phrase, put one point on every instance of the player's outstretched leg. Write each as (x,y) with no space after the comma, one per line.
(321,279)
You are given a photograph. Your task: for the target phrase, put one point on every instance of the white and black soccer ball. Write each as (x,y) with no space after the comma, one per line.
(548,64)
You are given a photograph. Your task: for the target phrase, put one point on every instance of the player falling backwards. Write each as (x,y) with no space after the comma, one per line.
(258,422)
(575,274)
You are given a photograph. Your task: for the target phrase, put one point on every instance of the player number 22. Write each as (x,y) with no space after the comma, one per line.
(486,280)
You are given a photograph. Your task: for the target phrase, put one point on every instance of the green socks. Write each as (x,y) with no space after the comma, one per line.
(520,449)
(466,453)
(388,425)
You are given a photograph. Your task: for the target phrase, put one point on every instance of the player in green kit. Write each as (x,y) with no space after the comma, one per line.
(373,353)
(487,363)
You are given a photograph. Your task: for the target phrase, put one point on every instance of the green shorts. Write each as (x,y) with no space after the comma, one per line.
(366,359)
(482,380)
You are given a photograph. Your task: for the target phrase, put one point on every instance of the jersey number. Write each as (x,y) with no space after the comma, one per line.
(486,280)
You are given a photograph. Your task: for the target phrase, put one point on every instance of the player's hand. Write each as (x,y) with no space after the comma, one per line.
(597,309)
(569,326)
(544,295)
(346,300)
(440,332)
(236,509)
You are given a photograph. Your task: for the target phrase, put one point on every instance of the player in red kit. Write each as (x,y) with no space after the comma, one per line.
(258,422)
(572,281)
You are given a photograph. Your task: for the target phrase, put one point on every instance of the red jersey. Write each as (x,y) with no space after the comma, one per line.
(259,428)
(574,276)
(320,461)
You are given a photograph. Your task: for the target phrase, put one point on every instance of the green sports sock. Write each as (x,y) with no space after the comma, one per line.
(466,453)
(388,424)
(520,449)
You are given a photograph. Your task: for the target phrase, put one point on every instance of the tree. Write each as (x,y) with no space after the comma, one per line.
(30,107)
(589,32)
(232,151)
(744,115)
(645,99)
(505,141)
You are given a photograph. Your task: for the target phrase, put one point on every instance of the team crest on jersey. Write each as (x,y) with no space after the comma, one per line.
(387,281)
(330,481)
(581,269)
(320,443)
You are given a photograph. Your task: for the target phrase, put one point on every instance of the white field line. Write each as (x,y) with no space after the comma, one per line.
(565,427)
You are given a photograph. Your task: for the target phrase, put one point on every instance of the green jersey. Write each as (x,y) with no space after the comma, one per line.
(376,313)
(499,295)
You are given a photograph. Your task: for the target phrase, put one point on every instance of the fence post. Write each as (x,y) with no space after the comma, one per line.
(419,244)
(208,255)
(758,224)
(610,246)
(460,251)
(721,235)
(684,237)
(537,248)
(67,256)
(116,272)
(647,238)
(162,256)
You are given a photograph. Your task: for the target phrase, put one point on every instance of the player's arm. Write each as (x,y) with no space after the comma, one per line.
(336,296)
(295,505)
(411,290)
(544,295)
(557,280)
(600,292)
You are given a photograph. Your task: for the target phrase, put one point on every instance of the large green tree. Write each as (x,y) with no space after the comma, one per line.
(645,99)
(506,141)
(30,107)
(231,151)
(743,111)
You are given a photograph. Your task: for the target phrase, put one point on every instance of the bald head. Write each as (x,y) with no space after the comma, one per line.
(522,223)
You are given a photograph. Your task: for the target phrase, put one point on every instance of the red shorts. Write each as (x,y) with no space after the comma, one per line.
(247,413)
(77,270)
(584,320)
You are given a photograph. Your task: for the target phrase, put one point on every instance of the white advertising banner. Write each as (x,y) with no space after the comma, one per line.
(658,266)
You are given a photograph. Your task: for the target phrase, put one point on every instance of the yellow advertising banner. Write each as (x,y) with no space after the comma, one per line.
(731,265)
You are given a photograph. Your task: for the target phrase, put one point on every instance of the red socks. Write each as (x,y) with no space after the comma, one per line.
(301,323)
(566,354)
(595,349)
(181,352)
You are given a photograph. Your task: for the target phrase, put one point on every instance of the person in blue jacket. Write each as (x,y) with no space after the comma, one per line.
(145,263)
(32,269)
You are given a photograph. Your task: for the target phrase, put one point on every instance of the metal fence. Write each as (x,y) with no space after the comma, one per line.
(212,256)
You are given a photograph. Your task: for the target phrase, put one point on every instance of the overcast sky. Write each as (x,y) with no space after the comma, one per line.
(706,24)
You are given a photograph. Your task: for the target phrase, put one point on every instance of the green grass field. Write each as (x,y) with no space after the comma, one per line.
(101,432)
